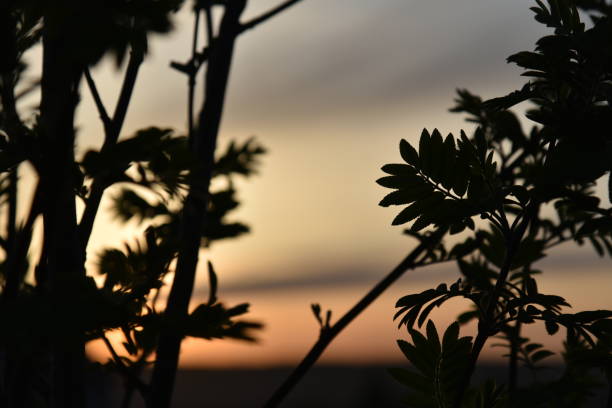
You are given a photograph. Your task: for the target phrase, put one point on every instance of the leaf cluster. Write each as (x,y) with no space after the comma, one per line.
(101,26)
(439,365)
(446,182)
(535,189)
(154,165)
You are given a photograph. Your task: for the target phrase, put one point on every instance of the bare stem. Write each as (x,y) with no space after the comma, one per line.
(328,334)
(609,402)
(487,320)
(210,35)
(111,134)
(266,16)
(125,95)
(515,336)
(192,74)
(106,120)
(193,217)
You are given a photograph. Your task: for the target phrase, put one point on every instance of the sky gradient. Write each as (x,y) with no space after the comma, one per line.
(330,87)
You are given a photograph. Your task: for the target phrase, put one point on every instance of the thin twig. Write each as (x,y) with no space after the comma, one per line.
(192,75)
(486,320)
(266,16)
(194,64)
(111,135)
(125,96)
(193,214)
(210,35)
(328,334)
(515,346)
(106,120)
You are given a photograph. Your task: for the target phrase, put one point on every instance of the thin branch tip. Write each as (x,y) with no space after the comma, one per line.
(91,84)
(266,16)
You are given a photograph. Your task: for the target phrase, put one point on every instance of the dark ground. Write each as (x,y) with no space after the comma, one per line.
(338,387)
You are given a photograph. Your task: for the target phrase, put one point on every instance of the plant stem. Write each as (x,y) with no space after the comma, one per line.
(515,336)
(61,74)
(192,74)
(194,211)
(486,322)
(106,120)
(328,334)
(112,130)
(609,402)
(200,58)
(267,15)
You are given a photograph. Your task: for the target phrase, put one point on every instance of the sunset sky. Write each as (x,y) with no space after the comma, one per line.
(330,87)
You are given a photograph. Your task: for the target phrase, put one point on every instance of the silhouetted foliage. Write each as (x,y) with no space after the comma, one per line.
(53,305)
(508,177)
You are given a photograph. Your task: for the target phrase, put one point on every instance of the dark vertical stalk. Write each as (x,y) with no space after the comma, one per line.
(609,402)
(192,73)
(194,211)
(487,320)
(62,264)
(515,345)
(515,337)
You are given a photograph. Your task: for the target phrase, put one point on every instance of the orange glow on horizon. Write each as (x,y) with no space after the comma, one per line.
(370,340)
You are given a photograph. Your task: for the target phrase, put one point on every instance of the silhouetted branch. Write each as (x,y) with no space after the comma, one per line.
(106,120)
(31,87)
(194,64)
(110,138)
(192,74)
(266,16)
(203,144)
(62,263)
(193,216)
(515,345)
(329,333)
(209,27)
(131,73)
(484,326)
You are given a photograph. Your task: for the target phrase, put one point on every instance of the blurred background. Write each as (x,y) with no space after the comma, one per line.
(329,88)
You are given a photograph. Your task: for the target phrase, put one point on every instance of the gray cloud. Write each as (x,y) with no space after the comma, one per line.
(375,56)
